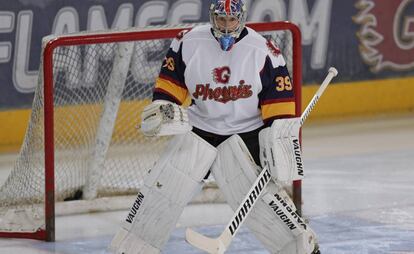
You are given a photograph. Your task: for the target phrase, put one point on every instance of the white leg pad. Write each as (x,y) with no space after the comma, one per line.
(129,243)
(235,171)
(167,189)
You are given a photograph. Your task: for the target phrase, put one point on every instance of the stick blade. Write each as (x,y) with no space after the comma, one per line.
(210,245)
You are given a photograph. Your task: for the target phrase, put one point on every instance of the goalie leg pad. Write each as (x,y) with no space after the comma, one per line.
(277,226)
(167,189)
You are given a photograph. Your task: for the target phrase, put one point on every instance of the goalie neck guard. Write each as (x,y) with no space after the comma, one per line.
(227,18)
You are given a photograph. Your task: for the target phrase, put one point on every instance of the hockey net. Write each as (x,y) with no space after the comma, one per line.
(82,142)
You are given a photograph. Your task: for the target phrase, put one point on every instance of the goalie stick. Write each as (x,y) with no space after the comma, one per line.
(220,244)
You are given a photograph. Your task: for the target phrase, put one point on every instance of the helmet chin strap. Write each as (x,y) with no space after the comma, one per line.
(226,42)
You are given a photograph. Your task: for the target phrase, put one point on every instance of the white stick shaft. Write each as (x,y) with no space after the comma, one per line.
(264,177)
(331,74)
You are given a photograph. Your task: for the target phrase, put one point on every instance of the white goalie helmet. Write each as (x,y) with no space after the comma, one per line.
(227,18)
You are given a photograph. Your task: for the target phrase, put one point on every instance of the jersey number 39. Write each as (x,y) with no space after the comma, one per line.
(283,83)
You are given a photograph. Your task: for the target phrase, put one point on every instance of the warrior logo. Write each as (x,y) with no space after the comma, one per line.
(273,48)
(386,41)
(221,75)
(249,202)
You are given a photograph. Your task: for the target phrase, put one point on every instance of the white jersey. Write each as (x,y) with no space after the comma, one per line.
(227,88)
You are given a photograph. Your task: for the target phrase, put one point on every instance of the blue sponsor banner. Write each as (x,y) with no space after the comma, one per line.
(363,39)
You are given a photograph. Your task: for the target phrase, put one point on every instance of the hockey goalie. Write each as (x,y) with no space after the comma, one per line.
(241,119)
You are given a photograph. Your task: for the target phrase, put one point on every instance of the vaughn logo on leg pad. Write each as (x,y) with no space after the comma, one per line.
(289,216)
(298,156)
(253,196)
(135,207)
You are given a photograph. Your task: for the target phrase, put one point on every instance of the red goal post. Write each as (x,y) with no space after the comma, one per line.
(45,160)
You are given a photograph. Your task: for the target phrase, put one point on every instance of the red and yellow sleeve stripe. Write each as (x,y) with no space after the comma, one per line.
(171,88)
(277,108)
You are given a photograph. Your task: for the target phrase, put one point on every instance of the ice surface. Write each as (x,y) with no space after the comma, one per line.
(358,194)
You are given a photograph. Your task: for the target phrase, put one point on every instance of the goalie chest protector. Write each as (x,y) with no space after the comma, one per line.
(224,85)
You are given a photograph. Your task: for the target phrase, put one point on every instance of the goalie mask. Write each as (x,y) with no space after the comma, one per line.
(227,18)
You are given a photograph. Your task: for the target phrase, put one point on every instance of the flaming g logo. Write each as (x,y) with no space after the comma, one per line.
(386,35)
